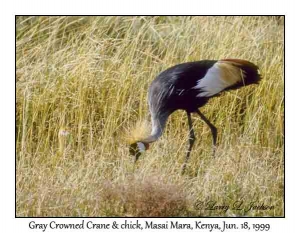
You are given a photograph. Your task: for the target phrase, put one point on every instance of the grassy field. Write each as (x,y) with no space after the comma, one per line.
(82,85)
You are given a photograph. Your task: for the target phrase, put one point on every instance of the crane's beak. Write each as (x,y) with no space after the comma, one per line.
(136,150)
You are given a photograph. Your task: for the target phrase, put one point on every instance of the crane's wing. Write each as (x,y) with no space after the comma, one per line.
(180,80)
(189,85)
(227,74)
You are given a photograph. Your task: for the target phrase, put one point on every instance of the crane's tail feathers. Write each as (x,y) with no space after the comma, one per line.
(249,75)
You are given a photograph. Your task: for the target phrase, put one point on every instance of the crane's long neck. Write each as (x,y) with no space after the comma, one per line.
(158,124)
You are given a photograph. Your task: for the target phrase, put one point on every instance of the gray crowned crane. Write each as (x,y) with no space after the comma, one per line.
(188,86)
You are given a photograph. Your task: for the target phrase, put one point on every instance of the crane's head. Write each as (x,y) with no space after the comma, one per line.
(136,149)
(134,138)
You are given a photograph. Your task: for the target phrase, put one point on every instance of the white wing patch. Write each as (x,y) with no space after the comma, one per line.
(220,76)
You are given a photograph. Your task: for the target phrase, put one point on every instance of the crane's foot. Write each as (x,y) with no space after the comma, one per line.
(214,148)
(183,169)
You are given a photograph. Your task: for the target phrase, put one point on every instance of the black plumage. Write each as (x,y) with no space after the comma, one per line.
(188,86)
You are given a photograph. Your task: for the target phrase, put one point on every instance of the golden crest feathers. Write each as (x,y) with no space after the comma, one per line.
(136,133)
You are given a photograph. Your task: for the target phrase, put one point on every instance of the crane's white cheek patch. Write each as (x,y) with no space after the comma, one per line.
(141,147)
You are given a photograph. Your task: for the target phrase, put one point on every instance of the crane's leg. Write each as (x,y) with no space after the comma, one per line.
(191,141)
(212,128)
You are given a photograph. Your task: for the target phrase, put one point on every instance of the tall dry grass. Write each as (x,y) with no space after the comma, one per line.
(82,82)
